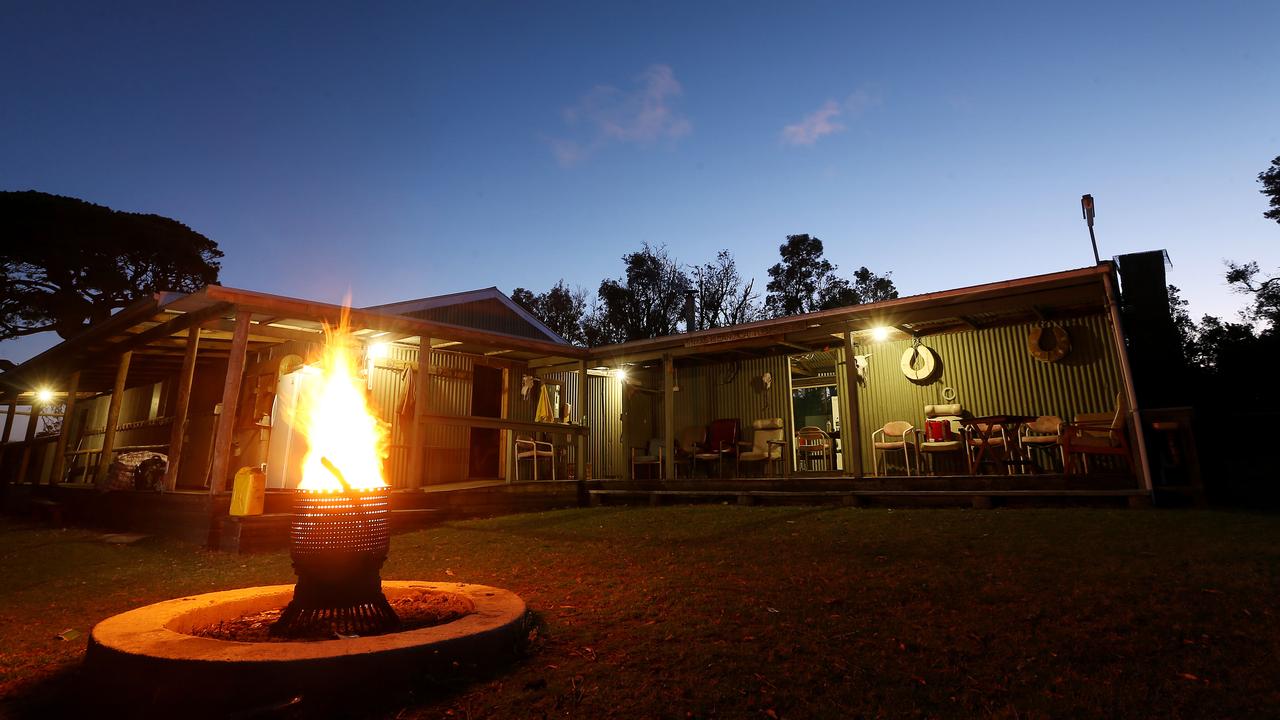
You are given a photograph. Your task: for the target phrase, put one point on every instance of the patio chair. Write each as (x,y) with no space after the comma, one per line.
(688,442)
(943,433)
(1043,435)
(813,449)
(766,444)
(895,435)
(1097,434)
(529,449)
(722,441)
(652,457)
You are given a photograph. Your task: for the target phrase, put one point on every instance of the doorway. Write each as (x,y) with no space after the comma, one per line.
(485,447)
(815,404)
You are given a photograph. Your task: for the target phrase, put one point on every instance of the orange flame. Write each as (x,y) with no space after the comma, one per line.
(346,442)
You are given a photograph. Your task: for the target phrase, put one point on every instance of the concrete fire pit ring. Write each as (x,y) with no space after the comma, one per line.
(147,654)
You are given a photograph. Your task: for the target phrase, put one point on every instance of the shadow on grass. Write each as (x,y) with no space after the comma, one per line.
(71,692)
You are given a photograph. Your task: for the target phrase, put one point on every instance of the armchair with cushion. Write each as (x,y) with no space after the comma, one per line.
(895,435)
(765,446)
(1043,434)
(650,456)
(721,442)
(943,433)
(1097,434)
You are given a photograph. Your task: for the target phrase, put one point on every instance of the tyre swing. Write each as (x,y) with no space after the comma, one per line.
(1061,344)
(921,355)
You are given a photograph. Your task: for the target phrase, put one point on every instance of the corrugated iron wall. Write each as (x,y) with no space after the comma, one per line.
(991,373)
(484,315)
(604,416)
(732,390)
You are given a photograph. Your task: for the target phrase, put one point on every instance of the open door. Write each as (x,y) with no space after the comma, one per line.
(485,453)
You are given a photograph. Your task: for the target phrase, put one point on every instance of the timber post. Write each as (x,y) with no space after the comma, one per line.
(226,426)
(850,427)
(8,424)
(68,412)
(668,417)
(583,438)
(421,401)
(178,433)
(113,417)
(33,420)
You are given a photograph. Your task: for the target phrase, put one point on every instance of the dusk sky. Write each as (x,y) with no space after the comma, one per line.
(414,150)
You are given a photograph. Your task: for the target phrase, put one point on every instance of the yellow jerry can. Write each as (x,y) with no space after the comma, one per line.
(249,491)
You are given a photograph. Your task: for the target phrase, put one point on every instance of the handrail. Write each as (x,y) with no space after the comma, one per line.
(506,424)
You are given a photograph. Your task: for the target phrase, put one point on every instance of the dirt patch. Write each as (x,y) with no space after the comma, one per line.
(417,609)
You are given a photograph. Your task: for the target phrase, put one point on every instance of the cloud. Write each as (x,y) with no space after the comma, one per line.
(605,116)
(826,119)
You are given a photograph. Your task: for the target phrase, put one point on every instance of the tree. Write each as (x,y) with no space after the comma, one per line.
(1265,291)
(722,298)
(1270,179)
(806,281)
(646,303)
(559,308)
(68,263)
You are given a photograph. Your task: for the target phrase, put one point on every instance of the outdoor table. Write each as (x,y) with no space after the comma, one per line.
(1014,456)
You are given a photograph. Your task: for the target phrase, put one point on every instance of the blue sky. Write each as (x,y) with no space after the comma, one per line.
(411,150)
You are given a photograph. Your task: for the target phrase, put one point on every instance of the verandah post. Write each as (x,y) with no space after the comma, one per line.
(226,426)
(178,433)
(68,412)
(113,417)
(850,427)
(584,436)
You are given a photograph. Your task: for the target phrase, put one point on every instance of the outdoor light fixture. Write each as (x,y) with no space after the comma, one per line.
(44,396)
(621,374)
(880,334)
(379,350)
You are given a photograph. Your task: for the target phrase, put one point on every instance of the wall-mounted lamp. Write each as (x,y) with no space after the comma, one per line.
(621,374)
(44,396)
(879,334)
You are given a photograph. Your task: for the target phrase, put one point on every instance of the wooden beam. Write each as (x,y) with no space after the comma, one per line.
(178,433)
(968,321)
(225,433)
(174,326)
(261,330)
(850,427)
(68,415)
(668,417)
(113,417)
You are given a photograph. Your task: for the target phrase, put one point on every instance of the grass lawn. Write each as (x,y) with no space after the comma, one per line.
(726,611)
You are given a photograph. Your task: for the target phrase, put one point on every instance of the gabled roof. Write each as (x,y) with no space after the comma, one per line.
(423,307)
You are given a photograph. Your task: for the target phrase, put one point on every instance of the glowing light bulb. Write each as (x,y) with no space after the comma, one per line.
(44,396)
(880,334)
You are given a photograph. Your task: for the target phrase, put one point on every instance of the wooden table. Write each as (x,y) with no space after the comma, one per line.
(981,429)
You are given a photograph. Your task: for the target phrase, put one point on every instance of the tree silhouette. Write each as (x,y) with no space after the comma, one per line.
(723,299)
(1270,179)
(559,308)
(646,303)
(68,263)
(806,281)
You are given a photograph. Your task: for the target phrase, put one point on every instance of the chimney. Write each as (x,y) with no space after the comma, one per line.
(690,310)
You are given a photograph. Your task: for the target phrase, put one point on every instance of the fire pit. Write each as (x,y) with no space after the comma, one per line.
(337,630)
(338,543)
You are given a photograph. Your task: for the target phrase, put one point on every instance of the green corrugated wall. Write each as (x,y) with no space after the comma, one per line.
(991,373)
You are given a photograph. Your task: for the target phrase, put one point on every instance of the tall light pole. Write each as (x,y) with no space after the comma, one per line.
(1086,207)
